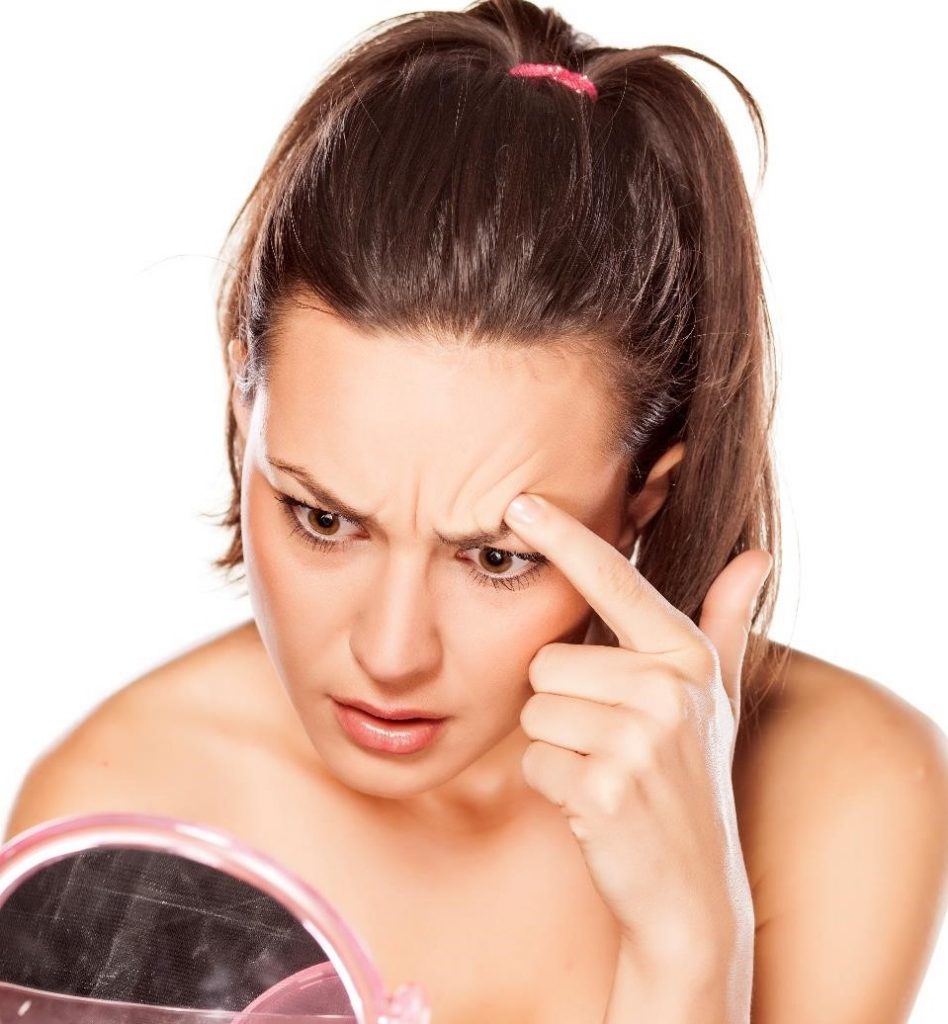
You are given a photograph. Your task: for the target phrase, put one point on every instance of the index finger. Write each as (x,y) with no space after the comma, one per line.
(627,603)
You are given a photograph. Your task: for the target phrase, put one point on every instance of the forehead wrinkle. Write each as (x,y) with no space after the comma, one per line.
(478,533)
(520,452)
(330,502)
(511,481)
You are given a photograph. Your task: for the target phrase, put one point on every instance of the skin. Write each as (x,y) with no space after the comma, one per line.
(426,437)
(635,744)
(842,790)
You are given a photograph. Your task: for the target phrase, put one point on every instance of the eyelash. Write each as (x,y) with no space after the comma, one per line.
(290,506)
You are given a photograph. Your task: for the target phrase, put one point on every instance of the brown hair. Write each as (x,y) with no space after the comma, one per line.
(420,189)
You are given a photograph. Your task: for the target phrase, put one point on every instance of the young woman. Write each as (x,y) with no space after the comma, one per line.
(489,259)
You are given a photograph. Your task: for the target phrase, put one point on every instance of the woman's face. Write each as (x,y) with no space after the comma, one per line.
(426,441)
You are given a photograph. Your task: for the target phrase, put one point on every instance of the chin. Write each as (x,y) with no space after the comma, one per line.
(387,777)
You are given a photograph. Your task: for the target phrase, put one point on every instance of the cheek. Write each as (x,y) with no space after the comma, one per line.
(496,653)
(558,614)
(270,573)
(486,637)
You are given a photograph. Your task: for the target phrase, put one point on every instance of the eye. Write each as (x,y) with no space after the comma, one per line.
(495,557)
(326,520)
(315,519)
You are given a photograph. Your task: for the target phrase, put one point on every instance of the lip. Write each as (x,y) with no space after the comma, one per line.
(393,715)
(384,734)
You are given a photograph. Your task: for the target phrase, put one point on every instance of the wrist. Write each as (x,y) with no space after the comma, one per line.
(675,949)
(699,986)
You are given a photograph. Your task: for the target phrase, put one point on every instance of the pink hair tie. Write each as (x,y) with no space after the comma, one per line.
(572,79)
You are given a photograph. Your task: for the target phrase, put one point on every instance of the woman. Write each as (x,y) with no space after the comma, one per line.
(488,258)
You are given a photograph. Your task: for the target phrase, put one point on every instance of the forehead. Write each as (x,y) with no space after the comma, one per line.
(393,422)
(551,389)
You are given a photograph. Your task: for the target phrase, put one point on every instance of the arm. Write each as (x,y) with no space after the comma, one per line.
(105,762)
(686,994)
(65,780)
(849,838)
(852,904)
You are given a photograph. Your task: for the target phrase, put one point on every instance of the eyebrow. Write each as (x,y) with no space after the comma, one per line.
(331,503)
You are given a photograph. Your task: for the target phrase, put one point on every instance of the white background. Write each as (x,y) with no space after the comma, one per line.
(133,133)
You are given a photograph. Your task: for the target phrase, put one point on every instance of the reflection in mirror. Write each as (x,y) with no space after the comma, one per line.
(152,927)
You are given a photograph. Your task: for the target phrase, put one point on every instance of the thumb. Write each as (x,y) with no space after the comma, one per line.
(726,614)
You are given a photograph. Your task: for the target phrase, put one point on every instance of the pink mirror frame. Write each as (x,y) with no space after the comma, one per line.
(45,843)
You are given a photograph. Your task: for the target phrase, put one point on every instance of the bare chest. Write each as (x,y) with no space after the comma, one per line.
(507,929)
(503,927)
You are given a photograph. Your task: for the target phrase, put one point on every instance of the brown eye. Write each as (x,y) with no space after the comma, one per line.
(314,525)
(491,558)
(320,519)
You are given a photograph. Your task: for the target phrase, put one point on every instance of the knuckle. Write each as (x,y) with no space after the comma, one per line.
(660,734)
(627,733)
(542,662)
(675,706)
(619,576)
(635,744)
(604,788)
(538,660)
(699,664)
(537,668)
(649,758)
(531,712)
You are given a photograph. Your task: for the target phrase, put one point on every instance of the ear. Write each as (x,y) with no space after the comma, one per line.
(236,358)
(643,506)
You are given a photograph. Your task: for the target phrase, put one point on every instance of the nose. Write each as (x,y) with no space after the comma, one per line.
(395,639)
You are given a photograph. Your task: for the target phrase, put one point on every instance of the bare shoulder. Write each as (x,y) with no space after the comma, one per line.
(154,745)
(825,728)
(817,702)
(842,796)
(827,735)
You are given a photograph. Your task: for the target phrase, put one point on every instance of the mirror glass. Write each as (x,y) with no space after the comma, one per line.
(177,939)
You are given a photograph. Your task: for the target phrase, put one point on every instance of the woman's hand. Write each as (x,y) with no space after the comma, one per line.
(635,743)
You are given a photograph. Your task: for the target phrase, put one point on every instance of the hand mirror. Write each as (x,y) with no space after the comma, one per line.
(126,918)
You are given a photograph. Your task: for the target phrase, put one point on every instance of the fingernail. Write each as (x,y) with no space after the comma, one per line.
(523,510)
